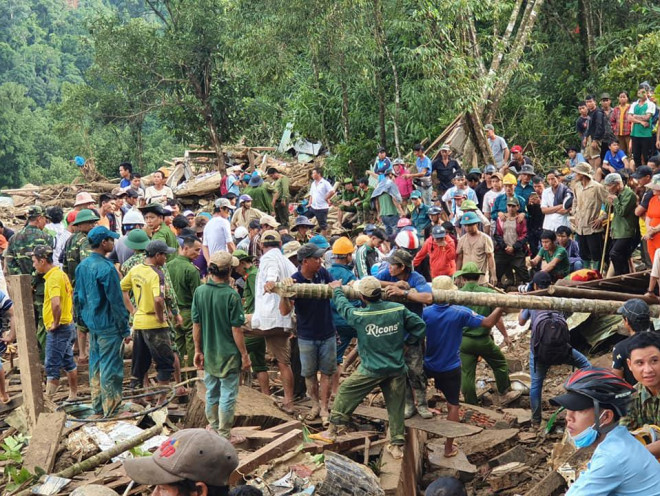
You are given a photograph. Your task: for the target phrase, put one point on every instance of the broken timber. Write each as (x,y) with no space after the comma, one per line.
(320,291)
(44,442)
(20,291)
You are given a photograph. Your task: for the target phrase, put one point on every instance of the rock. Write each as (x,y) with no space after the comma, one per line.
(515,364)
(346,477)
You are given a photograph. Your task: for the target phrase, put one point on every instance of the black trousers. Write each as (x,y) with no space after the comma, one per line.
(591,246)
(620,254)
(642,150)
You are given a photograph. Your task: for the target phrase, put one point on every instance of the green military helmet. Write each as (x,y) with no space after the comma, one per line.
(137,240)
(85,215)
(468,205)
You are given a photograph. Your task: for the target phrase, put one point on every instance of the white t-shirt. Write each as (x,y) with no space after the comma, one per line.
(489,201)
(273,267)
(217,234)
(552,221)
(319,190)
(152,195)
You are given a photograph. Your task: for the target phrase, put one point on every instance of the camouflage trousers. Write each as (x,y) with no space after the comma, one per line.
(414,357)
(106,371)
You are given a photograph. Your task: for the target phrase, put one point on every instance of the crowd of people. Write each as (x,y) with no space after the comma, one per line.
(201,288)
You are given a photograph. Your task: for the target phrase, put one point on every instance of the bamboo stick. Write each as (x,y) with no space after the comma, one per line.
(321,291)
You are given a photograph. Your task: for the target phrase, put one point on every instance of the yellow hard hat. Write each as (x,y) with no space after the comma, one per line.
(361,239)
(510,179)
(343,246)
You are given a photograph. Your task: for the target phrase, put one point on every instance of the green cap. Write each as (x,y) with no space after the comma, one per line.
(242,255)
(36,211)
(468,268)
(137,239)
(348,180)
(85,215)
(468,205)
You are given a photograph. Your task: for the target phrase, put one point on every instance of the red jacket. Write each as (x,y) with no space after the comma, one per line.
(442,259)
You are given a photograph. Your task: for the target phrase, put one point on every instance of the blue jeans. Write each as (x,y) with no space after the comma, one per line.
(221,394)
(390,222)
(59,351)
(538,372)
(317,355)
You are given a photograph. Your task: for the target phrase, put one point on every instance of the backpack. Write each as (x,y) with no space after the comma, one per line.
(551,338)
(223,185)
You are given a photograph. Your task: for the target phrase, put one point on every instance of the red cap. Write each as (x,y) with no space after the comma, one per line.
(516,149)
(71,216)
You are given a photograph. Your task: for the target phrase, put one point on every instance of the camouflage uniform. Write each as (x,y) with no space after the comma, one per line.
(76,249)
(18,256)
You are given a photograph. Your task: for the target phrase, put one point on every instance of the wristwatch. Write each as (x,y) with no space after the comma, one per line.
(406,293)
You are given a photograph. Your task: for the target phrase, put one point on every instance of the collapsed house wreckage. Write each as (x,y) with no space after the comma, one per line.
(51,450)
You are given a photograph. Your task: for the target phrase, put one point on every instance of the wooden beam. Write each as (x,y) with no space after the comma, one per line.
(20,291)
(45,440)
(437,426)
(263,455)
(285,427)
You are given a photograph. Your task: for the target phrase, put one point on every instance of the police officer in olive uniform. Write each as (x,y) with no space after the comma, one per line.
(18,259)
(76,249)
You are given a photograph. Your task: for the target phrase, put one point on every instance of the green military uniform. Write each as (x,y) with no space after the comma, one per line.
(164,233)
(348,196)
(643,410)
(281,186)
(381,329)
(364,210)
(185,280)
(19,261)
(256,345)
(477,342)
(262,198)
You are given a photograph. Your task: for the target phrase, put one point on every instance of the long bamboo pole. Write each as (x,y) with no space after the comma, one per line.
(321,291)
(597,294)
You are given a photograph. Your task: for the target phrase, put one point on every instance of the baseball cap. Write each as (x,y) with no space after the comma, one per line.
(320,242)
(542,279)
(223,203)
(438,232)
(268,220)
(223,260)
(444,283)
(99,234)
(642,171)
(460,193)
(156,247)
(137,239)
(516,149)
(310,250)
(131,193)
(291,248)
(573,401)
(445,148)
(400,257)
(489,127)
(193,454)
(188,213)
(498,175)
(490,169)
(42,251)
(513,201)
(635,310)
(243,198)
(270,235)
(369,229)
(416,194)
(475,170)
(369,287)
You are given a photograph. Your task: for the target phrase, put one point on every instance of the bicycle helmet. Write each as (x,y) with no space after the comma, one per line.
(595,386)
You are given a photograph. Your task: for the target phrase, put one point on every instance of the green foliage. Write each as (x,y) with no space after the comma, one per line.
(638,62)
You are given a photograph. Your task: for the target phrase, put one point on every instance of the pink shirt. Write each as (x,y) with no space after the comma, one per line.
(405,185)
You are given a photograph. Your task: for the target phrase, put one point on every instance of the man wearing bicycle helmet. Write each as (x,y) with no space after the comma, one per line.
(595,400)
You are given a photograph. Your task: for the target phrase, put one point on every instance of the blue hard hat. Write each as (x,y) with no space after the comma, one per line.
(469,218)
(80,161)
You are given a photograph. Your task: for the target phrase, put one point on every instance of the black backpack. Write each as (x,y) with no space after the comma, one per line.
(551,338)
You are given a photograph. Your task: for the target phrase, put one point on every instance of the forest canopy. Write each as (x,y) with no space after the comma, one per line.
(139,80)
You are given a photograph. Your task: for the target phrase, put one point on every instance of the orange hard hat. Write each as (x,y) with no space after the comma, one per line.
(343,246)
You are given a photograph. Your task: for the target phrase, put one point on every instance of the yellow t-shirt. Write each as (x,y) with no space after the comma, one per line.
(146,282)
(58,284)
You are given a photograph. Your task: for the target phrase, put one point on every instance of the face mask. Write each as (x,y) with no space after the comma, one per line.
(586,437)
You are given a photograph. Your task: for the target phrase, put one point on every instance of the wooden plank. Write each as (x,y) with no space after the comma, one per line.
(342,443)
(285,427)
(437,426)
(272,450)
(44,442)
(20,291)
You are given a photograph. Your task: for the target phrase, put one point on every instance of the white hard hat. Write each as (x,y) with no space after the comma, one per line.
(240,232)
(133,217)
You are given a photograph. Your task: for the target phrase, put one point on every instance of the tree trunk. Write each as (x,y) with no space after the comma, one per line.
(397,100)
(344,104)
(382,131)
(506,300)
(587,33)
(478,138)
(520,42)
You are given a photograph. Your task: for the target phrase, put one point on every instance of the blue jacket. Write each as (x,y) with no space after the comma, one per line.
(343,273)
(500,205)
(524,191)
(98,298)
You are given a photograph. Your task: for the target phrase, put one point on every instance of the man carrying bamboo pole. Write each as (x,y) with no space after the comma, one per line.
(383,329)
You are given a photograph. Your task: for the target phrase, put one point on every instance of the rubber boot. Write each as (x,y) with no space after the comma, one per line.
(409,409)
(212,416)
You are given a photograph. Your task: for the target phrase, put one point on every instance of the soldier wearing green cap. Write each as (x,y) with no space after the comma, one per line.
(77,249)
(185,280)
(18,259)
(347,200)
